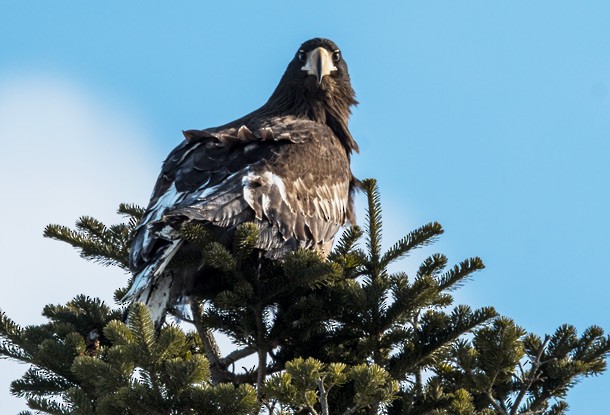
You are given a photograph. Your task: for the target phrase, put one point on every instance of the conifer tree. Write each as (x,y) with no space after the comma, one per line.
(336,336)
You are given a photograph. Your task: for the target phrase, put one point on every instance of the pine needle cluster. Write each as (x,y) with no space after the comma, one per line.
(342,335)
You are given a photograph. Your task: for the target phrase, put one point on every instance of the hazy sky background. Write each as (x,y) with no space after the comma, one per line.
(492,118)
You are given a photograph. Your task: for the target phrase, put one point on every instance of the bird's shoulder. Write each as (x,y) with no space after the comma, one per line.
(263,130)
(211,155)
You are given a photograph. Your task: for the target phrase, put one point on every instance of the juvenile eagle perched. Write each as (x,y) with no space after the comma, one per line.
(285,167)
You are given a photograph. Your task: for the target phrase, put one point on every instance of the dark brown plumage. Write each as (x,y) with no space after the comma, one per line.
(285,166)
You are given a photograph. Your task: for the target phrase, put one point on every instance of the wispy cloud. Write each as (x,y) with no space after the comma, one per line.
(64,152)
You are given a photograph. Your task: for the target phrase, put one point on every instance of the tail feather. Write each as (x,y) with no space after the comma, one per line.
(157,297)
(152,285)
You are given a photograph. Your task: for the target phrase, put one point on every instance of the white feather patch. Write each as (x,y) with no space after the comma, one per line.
(157,298)
(262,185)
(277,182)
(147,278)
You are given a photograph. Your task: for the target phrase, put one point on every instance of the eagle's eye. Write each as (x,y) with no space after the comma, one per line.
(302,55)
(336,56)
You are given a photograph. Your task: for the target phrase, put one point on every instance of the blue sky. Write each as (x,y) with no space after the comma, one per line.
(492,118)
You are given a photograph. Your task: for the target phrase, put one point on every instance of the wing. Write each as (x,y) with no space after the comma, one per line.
(302,193)
(297,192)
(290,176)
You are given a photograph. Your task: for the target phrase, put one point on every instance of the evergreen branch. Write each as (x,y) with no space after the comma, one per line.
(225,399)
(178,374)
(119,334)
(119,293)
(80,402)
(195,234)
(48,406)
(141,325)
(104,246)
(57,354)
(435,333)
(302,268)
(415,239)
(133,212)
(186,258)
(169,339)
(352,265)
(563,341)
(10,350)
(432,265)
(500,410)
(262,348)
(452,279)
(212,351)
(236,355)
(560,367)
(408,298)
(323,397)
(592,339)
(558,408)
(92,228)
(83,312)
(217,256)
(97,242)
(533,376)
(373,215)
(103,374)
(245,240)
(499,348)
(230,323)
(39,382)
(12,342)
(348,240)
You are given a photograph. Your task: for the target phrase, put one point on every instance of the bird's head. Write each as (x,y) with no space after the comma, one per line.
(316,72)
(316,85)
(320,64)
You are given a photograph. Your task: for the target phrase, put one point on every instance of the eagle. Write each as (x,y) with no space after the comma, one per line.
(284,167)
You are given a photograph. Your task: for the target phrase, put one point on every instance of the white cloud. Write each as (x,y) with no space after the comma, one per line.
(64,152)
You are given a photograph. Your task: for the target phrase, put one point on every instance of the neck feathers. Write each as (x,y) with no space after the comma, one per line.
(329,104)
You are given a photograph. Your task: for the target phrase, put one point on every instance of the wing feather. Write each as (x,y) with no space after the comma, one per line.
(291,176)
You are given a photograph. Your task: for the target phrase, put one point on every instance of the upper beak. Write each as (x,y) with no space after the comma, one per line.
(319,63)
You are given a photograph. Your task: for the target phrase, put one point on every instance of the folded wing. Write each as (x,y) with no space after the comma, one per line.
(290,176)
